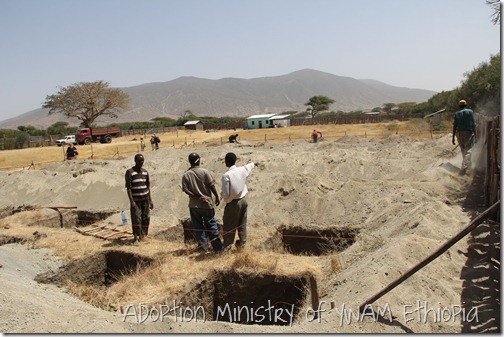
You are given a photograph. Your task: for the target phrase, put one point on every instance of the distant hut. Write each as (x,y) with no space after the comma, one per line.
(259,121)
(279,121)
(193,125)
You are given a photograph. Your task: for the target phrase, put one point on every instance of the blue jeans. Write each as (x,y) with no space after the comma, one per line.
(204,224)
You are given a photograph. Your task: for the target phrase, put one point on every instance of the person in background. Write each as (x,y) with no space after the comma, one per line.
(233,138)
(315,135)
(71,152)
(138,188)
(199,184)
(464,128)
(142,144)
(153,142)
(234,191)
(156,142)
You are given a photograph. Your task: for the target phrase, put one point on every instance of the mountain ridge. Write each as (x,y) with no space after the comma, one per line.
(237,97)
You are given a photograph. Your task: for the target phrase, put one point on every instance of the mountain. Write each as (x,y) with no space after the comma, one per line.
(242,97)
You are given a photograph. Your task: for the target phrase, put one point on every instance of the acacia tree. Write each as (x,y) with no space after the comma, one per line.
(387,107)
(87,101)
(318,103)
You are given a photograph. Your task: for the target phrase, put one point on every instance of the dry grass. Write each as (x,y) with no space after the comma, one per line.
(124,146)
(171,275)
(251,260)
(336,264)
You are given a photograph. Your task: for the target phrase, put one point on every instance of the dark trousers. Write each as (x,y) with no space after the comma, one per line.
(235,219)
(140,218)
(204,224)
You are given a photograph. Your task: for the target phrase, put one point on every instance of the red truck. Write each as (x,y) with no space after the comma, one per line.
(88,135)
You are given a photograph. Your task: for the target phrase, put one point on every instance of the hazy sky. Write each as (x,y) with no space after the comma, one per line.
(46,44)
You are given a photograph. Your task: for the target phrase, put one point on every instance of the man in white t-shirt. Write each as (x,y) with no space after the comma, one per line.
(234,190)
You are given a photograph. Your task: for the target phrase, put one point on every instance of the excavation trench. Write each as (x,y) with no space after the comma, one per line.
(243,298)
(320,241)
(62,218)
(102,269)
(183,233)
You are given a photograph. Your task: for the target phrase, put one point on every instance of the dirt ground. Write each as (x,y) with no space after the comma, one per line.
(393,200)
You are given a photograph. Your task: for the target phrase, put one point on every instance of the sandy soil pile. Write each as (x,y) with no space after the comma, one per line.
(404,196)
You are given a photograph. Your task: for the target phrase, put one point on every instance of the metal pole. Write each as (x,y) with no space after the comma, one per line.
(475,223)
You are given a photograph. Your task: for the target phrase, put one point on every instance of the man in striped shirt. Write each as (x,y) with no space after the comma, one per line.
(138,187)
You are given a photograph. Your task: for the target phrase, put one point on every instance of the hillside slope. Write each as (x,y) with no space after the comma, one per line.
(243,97)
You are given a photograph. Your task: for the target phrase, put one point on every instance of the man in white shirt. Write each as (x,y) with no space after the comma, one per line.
(234,190)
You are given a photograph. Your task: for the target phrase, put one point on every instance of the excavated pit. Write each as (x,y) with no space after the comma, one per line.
(63,218)
(320,241)
(102,269)
(184,232)
(242,298)
(85,218)
(6,239)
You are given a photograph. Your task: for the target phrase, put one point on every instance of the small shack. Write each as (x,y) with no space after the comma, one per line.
(279,121)
(193,125)
(259,121)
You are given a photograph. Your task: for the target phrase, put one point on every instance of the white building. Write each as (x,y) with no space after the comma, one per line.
(267,121)
(280,120)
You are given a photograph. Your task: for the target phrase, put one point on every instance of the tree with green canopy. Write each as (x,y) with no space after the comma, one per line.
(87,101)
(318,103)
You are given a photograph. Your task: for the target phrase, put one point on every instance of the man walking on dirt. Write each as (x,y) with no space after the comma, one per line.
(234,190)
(199,184)
(138,188)
(464,129)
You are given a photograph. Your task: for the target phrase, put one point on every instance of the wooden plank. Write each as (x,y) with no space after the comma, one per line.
(115,233)
(89,230)
(101,232)
(104,232)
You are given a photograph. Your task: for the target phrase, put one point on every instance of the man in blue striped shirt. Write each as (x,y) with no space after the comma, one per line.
(138,187)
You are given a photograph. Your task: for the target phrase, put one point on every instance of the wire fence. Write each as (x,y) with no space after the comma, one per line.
(177,141)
